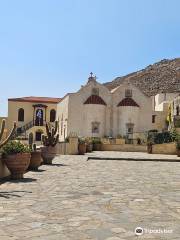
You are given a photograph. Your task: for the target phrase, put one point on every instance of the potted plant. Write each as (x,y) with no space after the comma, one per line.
(36,158)
(82,146)
(48,152)
(17,158)
(89,145)
(96,144)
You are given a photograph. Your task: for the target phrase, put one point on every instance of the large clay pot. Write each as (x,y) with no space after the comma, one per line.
(17,164)
(97,146)
(48,154)
(89,147)
(82,148)
(35,161)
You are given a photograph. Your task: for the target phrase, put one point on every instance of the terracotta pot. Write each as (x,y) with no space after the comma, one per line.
(89,147)
(17,164)
(97,146)
(35,161)
(48,154)
(82,148)
(178,152)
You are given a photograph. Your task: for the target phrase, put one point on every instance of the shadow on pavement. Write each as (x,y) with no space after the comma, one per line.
(9,194)
(24,180)
(57,165)
(38,170)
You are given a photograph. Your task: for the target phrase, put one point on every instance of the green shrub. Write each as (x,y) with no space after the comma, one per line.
(82,140)
(164,137)
(14,147)
(96,140)
(174,134)
(119,136)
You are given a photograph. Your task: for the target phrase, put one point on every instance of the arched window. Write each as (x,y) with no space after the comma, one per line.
(21,115)
(52,115)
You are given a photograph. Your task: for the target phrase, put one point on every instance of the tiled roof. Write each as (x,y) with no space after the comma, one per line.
(128,102)
(94,99)
(36,99)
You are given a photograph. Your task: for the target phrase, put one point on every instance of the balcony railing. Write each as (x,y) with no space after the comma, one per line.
(29,125)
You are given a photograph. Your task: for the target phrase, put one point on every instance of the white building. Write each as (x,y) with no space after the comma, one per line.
(94,111)
(161,103)
(176,112)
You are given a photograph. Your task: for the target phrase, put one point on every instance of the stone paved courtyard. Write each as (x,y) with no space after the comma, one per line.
(92,200)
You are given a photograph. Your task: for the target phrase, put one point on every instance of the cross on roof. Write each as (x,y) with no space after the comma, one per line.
(91,74)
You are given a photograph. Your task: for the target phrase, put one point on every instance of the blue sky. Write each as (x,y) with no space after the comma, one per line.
(48,47)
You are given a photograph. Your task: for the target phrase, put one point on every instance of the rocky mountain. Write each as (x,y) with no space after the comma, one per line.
(163,76)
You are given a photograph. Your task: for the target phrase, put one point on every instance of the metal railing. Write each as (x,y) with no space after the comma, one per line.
(29,125)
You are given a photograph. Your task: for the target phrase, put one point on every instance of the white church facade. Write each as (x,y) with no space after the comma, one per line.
(95,111)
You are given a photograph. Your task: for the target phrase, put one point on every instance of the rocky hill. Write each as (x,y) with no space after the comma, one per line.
(163,76)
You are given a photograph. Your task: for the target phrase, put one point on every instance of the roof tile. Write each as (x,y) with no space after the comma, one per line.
(36,99)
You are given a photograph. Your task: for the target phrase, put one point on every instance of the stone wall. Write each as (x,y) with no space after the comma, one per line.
(165,148)
(124,147)
(69,148)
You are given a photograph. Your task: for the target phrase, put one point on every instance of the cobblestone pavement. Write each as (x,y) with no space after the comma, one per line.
(92,200)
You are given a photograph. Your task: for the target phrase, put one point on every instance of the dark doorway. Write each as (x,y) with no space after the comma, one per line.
(38,136)
(39,117)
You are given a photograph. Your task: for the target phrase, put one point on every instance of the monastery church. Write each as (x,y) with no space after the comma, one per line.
(93,111)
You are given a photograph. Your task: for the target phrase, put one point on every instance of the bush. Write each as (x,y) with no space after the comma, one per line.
(119,136)
(96,140)
(88,140)
(14,147)
(165,137)
(81,140)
